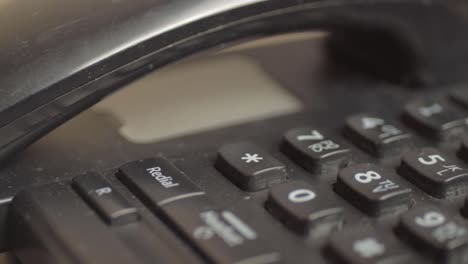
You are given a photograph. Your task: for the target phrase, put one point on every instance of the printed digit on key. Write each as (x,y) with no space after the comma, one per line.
(367,177)
(430,219)
(301,196)
(431,159)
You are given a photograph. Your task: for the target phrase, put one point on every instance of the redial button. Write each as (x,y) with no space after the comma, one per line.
(157,181)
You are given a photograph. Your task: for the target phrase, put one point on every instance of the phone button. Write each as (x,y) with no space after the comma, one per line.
(157,182)
(375,135)
(221,235)
(108,203)
(312,148)
(435,233)
(435,119)
(373,189)
(434,172)
(366,246)
(250,167)
(303,208)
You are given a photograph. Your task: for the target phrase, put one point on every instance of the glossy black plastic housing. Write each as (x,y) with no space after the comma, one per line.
(59,58)
(42,225)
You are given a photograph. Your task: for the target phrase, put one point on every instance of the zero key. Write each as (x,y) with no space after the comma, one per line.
(303,208)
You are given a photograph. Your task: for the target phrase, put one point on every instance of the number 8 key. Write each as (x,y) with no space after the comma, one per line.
(372,189)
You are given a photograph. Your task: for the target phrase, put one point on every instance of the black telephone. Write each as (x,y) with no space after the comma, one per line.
(370,169)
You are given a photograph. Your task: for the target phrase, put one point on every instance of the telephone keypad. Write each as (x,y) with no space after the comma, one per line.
(372,195)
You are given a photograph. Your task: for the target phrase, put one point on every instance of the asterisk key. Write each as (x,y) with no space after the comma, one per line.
(248,158)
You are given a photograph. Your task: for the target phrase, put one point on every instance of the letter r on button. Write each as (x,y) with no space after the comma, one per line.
(103,191)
